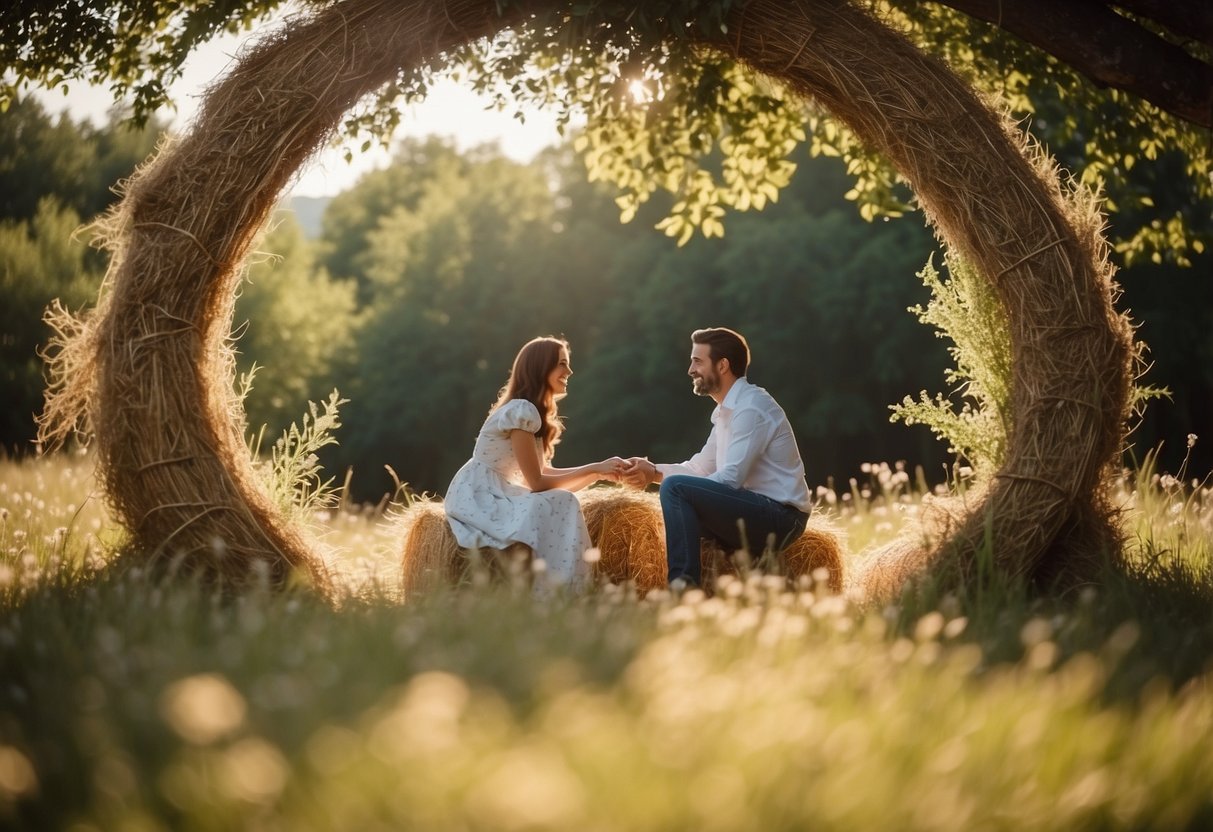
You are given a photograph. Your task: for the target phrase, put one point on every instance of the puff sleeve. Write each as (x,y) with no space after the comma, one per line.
(518,414)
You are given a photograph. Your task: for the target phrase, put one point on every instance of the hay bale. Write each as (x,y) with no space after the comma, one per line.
(715,562)
(430,555)
(882,573)
(820,547)
(626,527)
(431,558)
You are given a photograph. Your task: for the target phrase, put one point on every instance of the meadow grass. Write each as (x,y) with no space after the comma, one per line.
(126,704)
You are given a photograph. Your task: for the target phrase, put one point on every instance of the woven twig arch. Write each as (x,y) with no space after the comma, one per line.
(149,364)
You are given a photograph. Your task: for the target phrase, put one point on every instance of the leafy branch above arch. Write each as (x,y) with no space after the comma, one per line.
(661,105)
(713,133)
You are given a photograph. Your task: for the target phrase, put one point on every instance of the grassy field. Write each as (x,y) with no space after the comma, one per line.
(126,705)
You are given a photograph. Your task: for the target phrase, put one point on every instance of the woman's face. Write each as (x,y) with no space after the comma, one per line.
(558,379)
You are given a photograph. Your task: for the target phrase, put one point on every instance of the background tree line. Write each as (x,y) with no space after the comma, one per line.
(426,276)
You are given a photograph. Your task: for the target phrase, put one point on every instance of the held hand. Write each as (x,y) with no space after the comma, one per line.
(611,468)
(639,472)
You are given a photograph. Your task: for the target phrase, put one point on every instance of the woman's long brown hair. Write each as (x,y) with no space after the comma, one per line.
(529,380)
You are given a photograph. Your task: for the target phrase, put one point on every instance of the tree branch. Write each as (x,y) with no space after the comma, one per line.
(1109,49)
(1186,20)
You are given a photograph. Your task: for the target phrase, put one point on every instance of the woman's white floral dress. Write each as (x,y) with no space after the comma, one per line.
(488,503)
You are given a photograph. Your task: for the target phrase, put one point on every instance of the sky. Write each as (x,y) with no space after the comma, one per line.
(449,110)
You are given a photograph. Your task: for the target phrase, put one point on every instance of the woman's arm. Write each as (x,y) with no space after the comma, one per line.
(540,477)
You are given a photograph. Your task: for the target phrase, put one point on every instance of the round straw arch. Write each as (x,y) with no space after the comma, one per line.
(151,369)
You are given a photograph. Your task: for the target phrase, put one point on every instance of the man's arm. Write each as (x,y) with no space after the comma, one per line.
(749,437)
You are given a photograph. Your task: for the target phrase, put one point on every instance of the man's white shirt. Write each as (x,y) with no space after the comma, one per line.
(751,446)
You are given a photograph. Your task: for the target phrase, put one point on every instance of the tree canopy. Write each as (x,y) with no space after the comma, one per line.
(1116,84)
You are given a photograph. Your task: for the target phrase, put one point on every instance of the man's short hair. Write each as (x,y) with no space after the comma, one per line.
(725,343)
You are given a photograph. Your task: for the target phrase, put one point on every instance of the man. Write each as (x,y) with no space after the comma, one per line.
(748,476)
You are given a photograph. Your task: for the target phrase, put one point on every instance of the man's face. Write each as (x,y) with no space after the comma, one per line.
(704,378)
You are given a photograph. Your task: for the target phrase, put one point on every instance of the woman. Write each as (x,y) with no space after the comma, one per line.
(508,492)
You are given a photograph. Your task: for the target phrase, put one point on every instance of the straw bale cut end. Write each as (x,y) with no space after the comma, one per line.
(883,573)
(627,529)
(432,559)
(820,547)
(431,556)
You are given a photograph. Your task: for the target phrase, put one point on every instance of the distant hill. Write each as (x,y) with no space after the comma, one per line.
(308,211)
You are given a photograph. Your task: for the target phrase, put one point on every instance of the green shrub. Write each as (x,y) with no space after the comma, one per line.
(965,310)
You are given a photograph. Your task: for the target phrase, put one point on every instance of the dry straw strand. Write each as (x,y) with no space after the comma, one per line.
(627,529)
(430,554)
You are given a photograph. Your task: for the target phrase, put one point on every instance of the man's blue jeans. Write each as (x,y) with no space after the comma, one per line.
(695,507)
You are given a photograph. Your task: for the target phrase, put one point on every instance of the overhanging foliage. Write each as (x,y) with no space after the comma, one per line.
(662,113)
